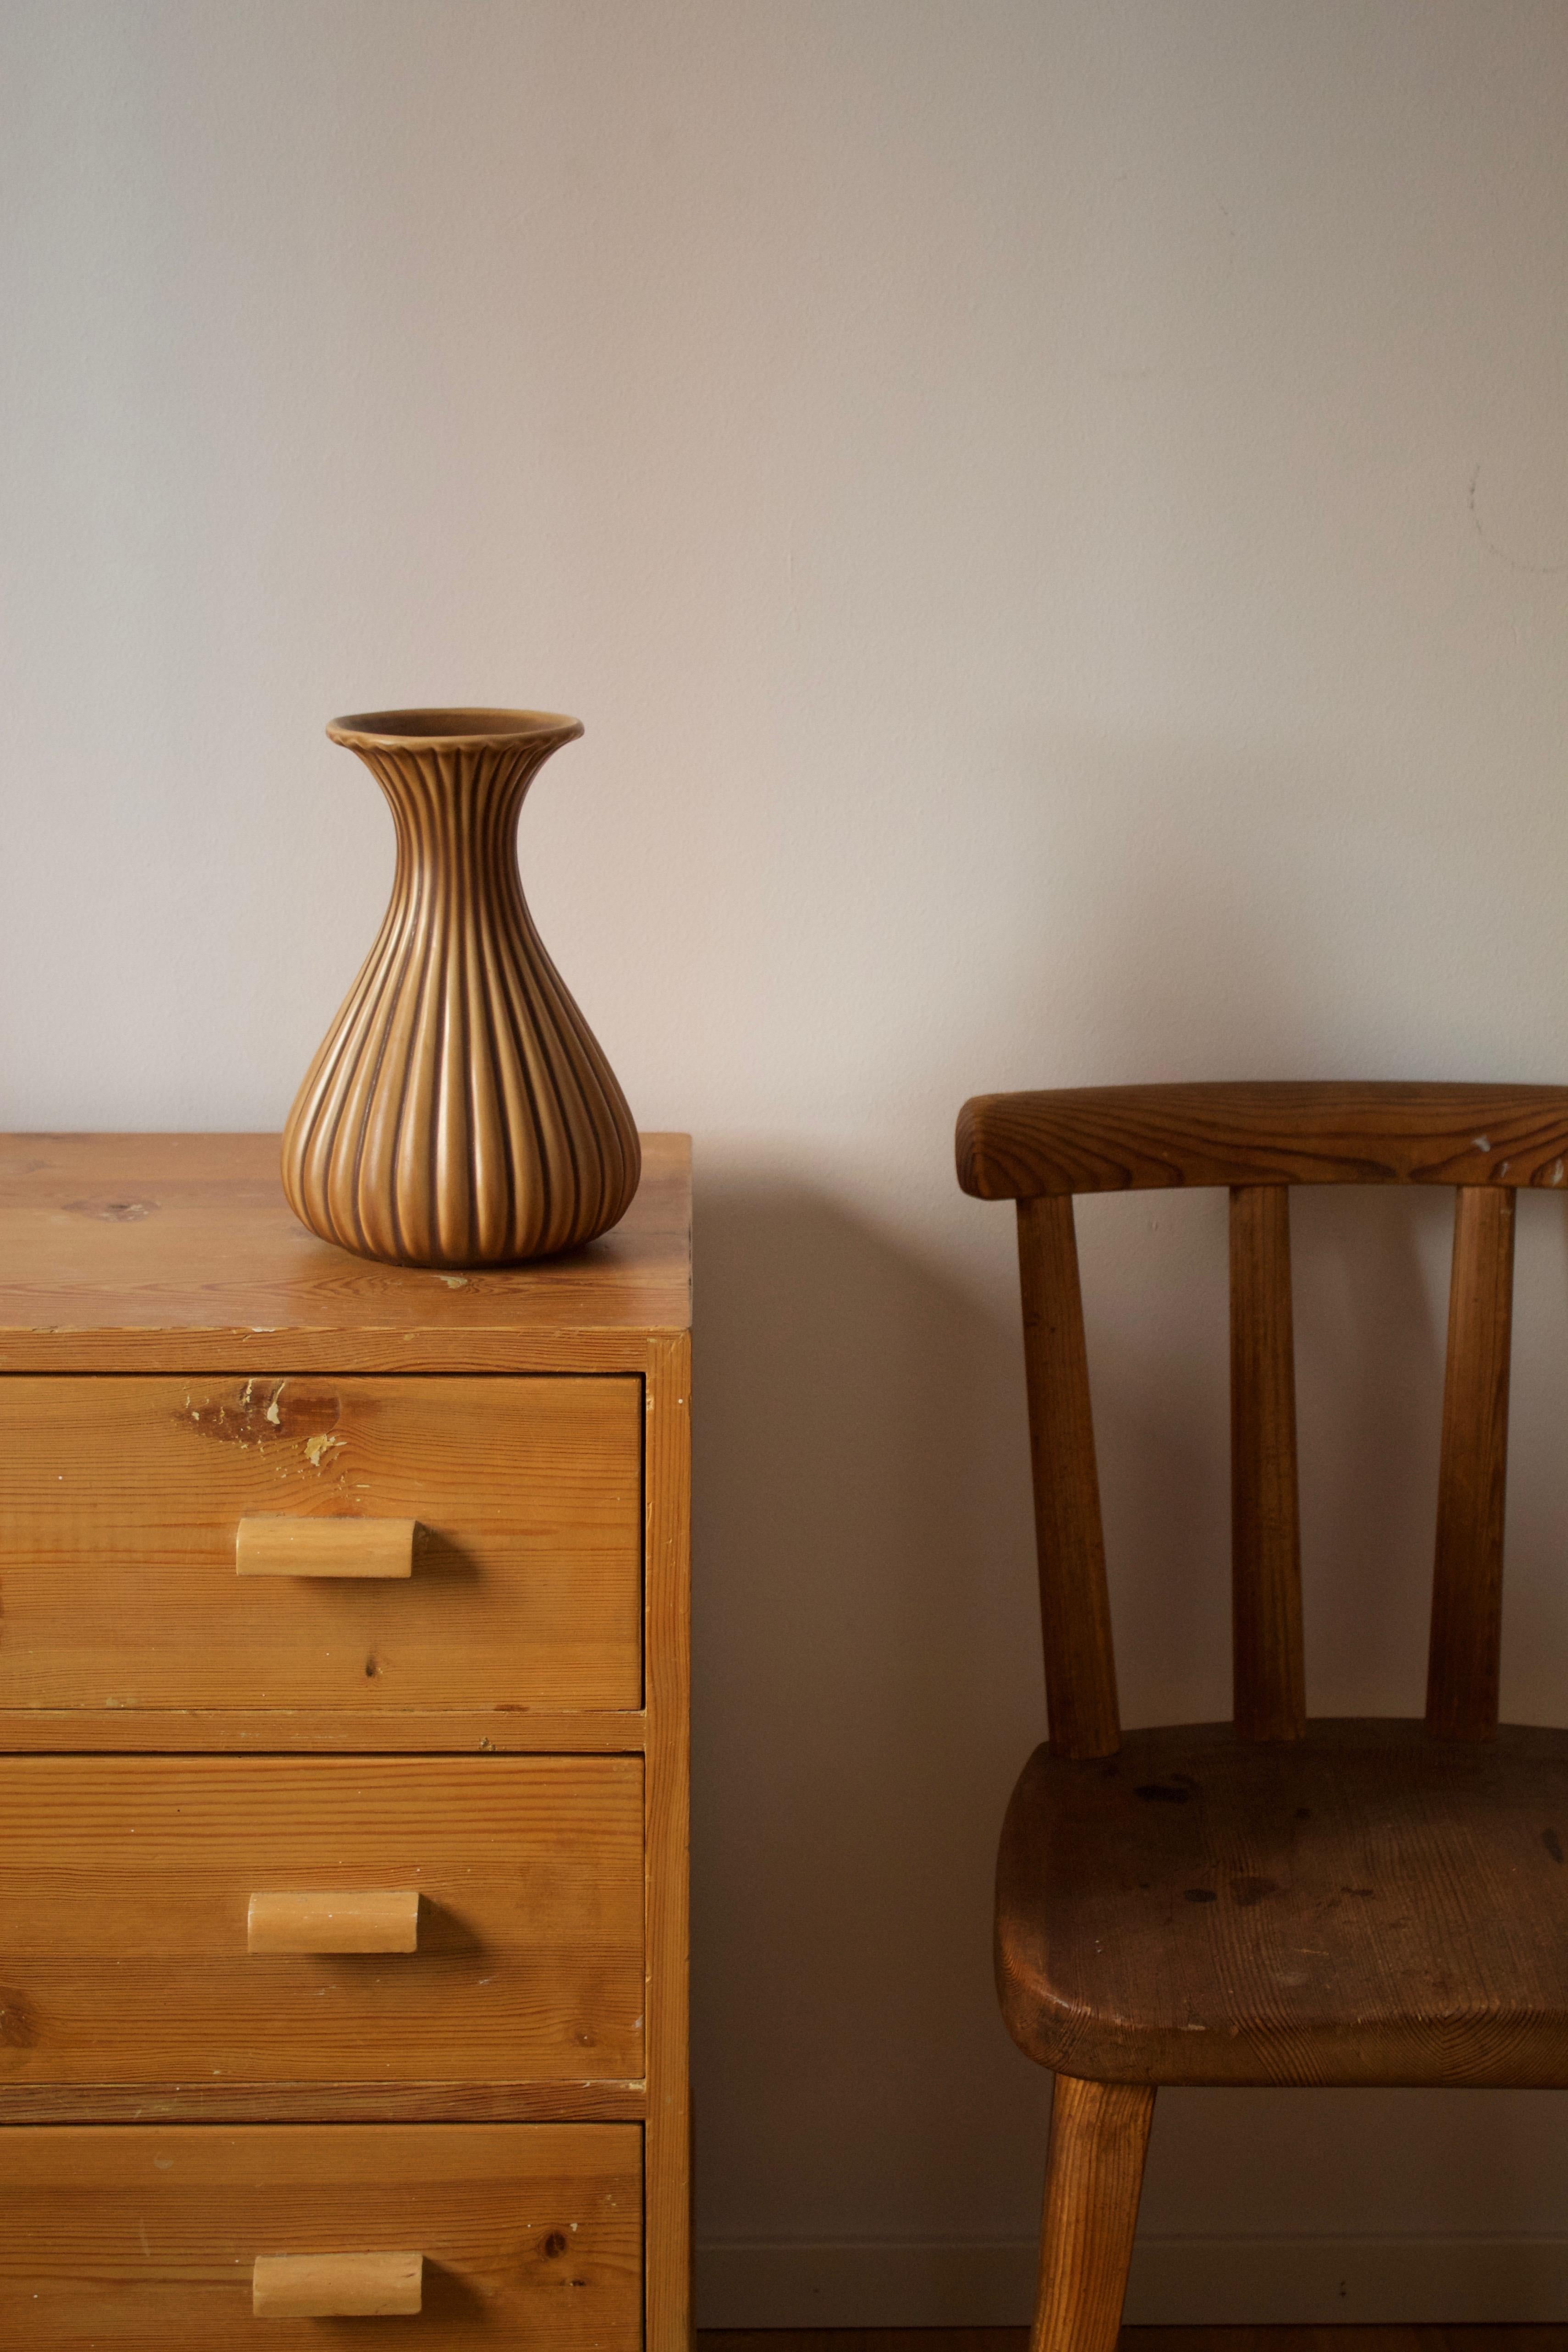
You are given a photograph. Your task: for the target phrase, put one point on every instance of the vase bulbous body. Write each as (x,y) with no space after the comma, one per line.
(460,1112)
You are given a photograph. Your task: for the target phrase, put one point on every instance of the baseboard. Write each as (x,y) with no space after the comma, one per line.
(1176,2282)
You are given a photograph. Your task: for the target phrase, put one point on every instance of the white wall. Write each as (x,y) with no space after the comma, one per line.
(1056,518)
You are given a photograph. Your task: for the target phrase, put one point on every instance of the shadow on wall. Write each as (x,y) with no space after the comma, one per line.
(865,1658)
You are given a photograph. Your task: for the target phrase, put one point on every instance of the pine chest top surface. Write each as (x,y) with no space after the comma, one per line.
(132,1253)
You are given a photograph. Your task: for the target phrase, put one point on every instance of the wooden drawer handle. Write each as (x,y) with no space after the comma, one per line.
(280,1547)
(349,1922)
(336,2286)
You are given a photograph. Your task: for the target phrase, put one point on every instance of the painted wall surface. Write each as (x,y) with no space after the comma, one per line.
(1055,514)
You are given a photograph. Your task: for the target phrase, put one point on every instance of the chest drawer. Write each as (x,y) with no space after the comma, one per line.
(146,2240)
(263,1920)
(121,1503)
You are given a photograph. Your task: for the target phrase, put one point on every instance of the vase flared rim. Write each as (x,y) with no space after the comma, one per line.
(457,728)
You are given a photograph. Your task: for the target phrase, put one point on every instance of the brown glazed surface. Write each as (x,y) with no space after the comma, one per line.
(460,1111)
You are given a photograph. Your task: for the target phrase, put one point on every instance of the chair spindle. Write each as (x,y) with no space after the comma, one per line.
(1075,1605)
(1269,1680)
(1467,1582)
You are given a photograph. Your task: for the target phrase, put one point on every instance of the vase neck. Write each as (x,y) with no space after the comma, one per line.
(457,806)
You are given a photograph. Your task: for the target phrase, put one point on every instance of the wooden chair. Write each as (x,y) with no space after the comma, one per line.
(1272,1901)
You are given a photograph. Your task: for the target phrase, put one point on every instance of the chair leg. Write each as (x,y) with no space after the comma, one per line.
(1099,2134)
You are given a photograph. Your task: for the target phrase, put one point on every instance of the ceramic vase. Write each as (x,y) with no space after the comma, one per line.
(460,1112)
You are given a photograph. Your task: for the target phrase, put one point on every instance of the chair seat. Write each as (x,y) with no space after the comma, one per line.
(1366,1905)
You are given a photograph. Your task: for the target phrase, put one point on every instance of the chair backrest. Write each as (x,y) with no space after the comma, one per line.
(1040,1149)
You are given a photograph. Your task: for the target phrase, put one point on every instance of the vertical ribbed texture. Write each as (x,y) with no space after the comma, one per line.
(460,1111)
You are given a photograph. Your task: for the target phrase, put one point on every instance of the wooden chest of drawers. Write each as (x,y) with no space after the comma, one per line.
(343,1735)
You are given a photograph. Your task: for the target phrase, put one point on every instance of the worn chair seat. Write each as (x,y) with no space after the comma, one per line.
(1367,1904)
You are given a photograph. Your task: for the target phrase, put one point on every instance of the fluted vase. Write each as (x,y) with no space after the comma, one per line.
(460,1112)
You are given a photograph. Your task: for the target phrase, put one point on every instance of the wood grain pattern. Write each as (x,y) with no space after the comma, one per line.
(460,1111)
(119,1499)
(330,2103)
(1266,1532)
(124,1905)
(1466,1648)
(1094,2178)
(343,1919)
(1121,1139)
(1365,1904)
(269,1545)
(668,1795)
(1075,1607)
(145,2240)
(336,2286)
(178,1253)
(171,1256)
(281,1731)
(1274,1901)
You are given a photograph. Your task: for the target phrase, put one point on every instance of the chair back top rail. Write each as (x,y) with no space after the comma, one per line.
(1024,1146)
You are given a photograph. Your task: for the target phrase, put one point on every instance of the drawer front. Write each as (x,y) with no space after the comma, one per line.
(121,1505)
(137,2239)
(131,1951)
